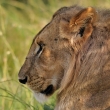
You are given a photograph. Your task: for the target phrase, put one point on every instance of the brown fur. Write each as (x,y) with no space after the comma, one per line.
(75,59)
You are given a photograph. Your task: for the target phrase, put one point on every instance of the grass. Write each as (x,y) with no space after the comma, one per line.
(20,21)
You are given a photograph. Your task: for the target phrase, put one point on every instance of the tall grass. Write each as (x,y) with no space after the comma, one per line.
(20,20)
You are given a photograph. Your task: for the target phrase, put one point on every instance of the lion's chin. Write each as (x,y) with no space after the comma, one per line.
(40,97)
(43,95)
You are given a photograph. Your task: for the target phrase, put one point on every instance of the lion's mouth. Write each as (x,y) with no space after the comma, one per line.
(48,90)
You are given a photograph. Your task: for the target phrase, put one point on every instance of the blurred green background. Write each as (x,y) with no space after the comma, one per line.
(20,21)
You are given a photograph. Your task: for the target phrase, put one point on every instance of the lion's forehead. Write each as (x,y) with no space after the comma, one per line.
(47,34)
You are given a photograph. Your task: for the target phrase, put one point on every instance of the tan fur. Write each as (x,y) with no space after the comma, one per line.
(75,59)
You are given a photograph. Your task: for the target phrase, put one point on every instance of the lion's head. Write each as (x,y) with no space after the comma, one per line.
(55,49)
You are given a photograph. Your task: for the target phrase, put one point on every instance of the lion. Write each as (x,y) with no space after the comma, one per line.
(71,54)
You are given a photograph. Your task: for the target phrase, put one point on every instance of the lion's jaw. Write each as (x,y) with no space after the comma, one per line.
(42,96)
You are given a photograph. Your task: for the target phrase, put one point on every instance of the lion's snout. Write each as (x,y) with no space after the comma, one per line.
(22,77)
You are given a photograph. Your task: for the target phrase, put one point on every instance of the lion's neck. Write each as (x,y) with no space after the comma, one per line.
(90,89)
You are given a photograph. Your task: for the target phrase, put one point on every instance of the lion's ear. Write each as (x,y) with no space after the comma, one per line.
(83,18)
(80,26)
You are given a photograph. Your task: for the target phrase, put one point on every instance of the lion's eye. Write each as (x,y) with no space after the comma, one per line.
(39,49)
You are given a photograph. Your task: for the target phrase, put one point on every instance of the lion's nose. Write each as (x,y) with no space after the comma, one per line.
(23,80)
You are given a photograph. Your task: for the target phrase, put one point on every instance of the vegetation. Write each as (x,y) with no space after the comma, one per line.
(20,21)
